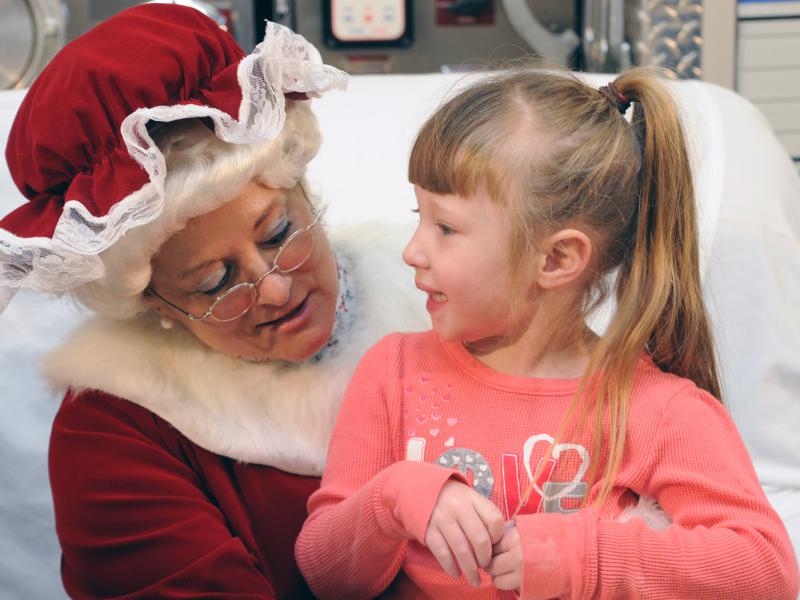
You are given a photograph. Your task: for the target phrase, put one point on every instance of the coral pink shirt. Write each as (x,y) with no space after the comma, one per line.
(419,412)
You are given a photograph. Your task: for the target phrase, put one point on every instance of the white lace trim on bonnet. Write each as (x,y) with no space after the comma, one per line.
(283,62)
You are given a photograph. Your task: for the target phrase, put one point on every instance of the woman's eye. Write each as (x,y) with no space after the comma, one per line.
(415,211)
(216,282)
(277,237)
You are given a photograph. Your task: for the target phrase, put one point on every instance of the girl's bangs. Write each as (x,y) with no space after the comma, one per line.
(454,166)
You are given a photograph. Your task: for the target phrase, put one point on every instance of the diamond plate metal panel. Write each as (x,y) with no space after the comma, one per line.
(667,33)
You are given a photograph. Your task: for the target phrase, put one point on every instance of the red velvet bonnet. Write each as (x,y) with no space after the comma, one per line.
(79,149)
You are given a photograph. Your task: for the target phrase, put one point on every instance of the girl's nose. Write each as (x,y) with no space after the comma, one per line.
(413,255)
(274,289)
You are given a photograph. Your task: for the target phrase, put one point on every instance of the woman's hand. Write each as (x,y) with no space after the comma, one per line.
(506,565)
(462,530)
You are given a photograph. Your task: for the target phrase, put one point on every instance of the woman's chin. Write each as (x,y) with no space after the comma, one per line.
(298,347)
(315,345)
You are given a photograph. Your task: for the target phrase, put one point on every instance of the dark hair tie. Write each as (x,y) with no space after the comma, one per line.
(617,98)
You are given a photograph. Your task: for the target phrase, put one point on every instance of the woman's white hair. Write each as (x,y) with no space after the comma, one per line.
(203,173)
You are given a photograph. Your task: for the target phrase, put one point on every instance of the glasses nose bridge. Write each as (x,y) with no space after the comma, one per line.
(256,283)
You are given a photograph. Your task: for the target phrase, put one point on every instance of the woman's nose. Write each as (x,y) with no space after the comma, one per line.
(274,289)
(413,255)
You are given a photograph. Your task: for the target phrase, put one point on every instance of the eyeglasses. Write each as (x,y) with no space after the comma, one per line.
(235,303)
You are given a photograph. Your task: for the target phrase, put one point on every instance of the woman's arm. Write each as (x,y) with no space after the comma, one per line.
(133,518)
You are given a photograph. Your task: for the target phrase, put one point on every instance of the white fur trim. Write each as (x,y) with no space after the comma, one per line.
(275,414)
(649,511)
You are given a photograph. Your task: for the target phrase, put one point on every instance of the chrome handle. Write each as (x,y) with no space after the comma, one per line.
(605,48)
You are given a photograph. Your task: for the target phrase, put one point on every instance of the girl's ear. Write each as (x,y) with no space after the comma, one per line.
(564,258)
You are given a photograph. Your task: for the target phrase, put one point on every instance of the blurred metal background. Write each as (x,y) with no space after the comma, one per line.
(31,32)
(593,35)
(666,33)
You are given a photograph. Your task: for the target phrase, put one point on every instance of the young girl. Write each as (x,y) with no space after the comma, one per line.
(504,449)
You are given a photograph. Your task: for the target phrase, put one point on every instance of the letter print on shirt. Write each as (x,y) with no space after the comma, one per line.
(544,495)
(472,465)
(428,427)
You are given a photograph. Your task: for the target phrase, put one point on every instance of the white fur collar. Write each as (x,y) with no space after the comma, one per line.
(275,414)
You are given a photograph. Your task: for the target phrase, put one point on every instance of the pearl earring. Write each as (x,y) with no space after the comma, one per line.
(166,323)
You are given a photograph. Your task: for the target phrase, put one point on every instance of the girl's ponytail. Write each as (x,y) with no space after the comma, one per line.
(660,306)
(658,284)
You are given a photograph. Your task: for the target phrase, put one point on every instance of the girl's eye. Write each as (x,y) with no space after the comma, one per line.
(280,233)
(445,229)
(415,211)
(216,282)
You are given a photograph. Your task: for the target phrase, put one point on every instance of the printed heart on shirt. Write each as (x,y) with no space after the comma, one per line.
(527,450)
(450,442)
(434,432)
(452,421)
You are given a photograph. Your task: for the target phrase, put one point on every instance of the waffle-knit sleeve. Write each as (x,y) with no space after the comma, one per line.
(725,541)
(369,505)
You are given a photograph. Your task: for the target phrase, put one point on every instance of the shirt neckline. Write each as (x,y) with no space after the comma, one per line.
(476,369)
(515,383)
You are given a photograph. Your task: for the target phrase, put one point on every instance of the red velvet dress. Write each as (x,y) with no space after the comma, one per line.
(142,512)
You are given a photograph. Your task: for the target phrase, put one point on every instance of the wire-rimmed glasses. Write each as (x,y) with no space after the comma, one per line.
(235,302)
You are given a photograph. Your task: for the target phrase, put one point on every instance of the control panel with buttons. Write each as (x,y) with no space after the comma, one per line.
(365,23)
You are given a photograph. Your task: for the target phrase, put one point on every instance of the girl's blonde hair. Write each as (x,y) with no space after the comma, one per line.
(558,153)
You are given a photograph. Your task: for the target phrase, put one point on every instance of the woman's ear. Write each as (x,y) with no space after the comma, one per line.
(151,301)
(565,256)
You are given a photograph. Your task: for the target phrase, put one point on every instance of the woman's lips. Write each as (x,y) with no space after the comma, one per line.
(294,319)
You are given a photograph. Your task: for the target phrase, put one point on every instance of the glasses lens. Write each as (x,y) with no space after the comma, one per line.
(234,304)
(296,250)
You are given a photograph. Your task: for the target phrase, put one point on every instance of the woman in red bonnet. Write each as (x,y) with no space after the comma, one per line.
(165,177)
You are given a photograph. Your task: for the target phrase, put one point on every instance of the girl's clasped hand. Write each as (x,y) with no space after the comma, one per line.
(467,533)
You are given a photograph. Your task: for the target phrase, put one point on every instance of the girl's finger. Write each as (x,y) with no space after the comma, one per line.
(475,530)
(500,565)
(509,540)
(461,549)
(491,516)
(509,581)
(441,552)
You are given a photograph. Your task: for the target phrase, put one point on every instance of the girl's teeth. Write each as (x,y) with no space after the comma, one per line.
(439,297)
